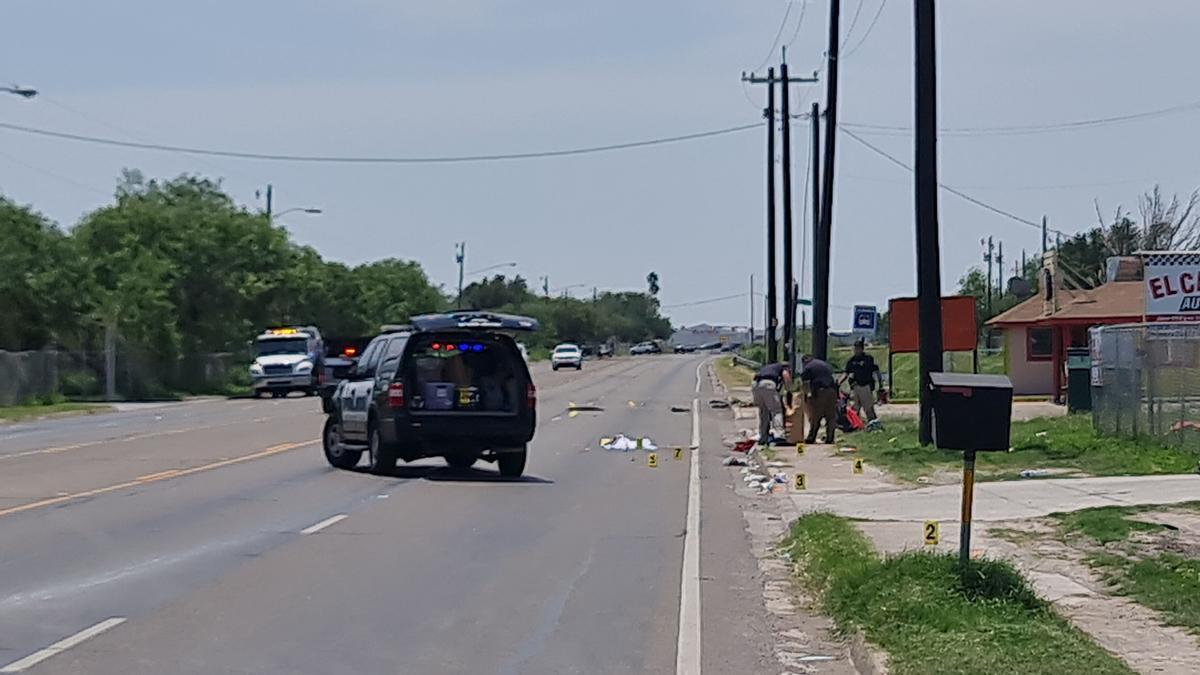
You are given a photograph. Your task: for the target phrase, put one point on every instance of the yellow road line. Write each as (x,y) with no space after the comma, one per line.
(155,477)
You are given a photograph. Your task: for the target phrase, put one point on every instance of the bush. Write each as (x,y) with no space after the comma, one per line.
(79,383)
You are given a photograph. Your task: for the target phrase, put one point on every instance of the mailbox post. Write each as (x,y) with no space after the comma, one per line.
(971,413)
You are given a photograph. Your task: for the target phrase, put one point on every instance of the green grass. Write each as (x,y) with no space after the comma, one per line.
(929,619)
(17,413)
(1047,443)
(1163,581)
(1105,524)
(731,374)
(904,378)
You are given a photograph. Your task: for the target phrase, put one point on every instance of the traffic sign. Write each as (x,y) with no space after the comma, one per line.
(866,320)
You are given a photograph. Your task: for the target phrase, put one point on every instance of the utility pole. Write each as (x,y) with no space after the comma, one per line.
(595,293)
(268,202)
(1000,271)
(751,309)
(460,256)
(929,275)
(824,229)
(546,285)
(789,297)
(987,258)
(1044,233)
(815,129)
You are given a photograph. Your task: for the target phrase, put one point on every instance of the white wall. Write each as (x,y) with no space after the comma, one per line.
(1029,378)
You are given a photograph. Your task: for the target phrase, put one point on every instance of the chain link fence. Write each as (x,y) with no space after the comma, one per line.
(1146,382)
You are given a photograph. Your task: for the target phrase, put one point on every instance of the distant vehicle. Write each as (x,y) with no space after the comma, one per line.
(449,385)
(566,356)
(588,351)
(731,347)
(709,346)
(604,351)
(685,349)
(340,356)
(287,359)
(648,347)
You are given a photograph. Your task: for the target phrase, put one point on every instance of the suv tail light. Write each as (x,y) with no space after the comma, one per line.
(396,394)
(531,396)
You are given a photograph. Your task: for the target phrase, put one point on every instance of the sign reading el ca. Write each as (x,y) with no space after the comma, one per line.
(1172,285)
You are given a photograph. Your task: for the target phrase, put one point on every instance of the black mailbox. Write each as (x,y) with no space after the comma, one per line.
(971,412)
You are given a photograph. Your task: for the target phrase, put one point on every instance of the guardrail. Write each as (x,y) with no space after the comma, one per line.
(743,361)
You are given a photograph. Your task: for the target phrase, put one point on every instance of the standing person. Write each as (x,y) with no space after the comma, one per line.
(767,383)
(862,372)
(822,397)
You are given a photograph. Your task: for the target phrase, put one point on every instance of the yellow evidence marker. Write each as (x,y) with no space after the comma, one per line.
(932,532)
(800,449)
(678,453)
(801,483)
(858,466)
(652,460)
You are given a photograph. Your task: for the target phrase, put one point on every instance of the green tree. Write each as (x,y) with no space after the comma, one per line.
(652,283)
(39,280)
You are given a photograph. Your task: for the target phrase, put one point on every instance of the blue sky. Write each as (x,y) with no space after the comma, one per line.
(367,77)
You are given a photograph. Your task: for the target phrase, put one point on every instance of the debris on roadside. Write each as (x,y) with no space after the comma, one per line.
(680,409)
(625,443)
(576,408)
(733,461)
(718,403)
(847,450)
(1035,473)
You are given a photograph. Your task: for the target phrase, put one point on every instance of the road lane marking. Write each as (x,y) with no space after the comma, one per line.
(129,438)
(324,523)
(702,364)
(62,645)
(687,649)
(152,478)
(156,476)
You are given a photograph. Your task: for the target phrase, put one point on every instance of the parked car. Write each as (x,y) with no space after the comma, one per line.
(340,356)
(566,355)
(448,385)
(685,349)
(604,351)
(709,346)
(648,347)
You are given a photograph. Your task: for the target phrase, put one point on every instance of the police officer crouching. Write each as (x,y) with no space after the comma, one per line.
(767,383)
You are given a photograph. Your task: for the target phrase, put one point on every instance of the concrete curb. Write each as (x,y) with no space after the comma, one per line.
(867,658)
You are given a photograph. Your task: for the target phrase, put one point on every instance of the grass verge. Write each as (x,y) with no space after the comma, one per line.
(731,374)
(1048,443)
(1163,580)
(916,608)
(17,413)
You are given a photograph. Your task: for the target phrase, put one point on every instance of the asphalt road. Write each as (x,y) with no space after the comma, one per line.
(212,537)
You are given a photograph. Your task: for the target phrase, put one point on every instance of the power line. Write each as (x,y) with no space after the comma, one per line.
(335,159)
(853,23)
(958,193)
(778,34)
(47,172)
(707,301)
(1017,130)
(799,22)
(870,27)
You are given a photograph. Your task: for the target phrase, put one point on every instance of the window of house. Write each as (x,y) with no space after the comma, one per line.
(1040,345)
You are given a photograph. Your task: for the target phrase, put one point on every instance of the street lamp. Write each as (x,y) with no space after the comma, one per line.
(492,267)
(23,92)
(564,289)
(309,210)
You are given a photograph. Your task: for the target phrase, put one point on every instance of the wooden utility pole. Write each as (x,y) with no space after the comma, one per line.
(929,274)
(821,264)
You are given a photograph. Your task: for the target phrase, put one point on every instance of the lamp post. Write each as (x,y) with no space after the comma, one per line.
(489,268)
(23,92)
(302,209)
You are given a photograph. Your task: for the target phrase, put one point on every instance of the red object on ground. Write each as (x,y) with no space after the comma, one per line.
(743,446)
(852,417)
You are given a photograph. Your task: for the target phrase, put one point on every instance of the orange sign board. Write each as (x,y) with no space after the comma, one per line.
(958,324)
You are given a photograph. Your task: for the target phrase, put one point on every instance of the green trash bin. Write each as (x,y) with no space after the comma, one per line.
(1079,379)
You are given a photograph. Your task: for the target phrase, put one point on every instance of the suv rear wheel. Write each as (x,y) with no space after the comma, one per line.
(381,459)
(336,453)
(512,462)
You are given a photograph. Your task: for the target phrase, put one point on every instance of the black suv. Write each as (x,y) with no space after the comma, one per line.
(448,385)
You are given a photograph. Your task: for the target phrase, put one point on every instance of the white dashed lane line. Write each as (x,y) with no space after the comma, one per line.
(324,524)
(62,645)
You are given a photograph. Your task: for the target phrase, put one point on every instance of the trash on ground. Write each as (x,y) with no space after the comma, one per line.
(680,409)
(733,461)
(584,408)
(875,425)
(718,403)
(847,450)
(777,465)
(754,478)
(780,477)
(744,446)
(1035,473)
(1042,434)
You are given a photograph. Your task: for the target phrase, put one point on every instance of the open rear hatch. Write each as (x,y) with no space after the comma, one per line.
(453,372)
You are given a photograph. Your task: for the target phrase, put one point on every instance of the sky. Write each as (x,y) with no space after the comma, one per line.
(452,77)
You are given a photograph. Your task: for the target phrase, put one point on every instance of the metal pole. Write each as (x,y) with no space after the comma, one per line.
(789,295)
(110,359)
(929,304)
(772,321)
(751,309)
(268,202)
(460,255)
(1044,236)
(968,498)
(821,253)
